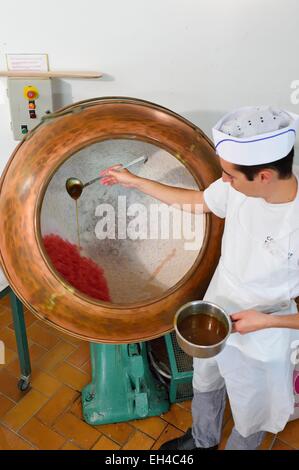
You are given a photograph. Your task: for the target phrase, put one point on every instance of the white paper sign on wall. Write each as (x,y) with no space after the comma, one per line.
(28,62)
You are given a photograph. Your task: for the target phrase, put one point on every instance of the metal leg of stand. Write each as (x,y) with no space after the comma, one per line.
(22,343)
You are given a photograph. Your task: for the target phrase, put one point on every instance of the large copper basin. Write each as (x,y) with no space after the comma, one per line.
(23,186)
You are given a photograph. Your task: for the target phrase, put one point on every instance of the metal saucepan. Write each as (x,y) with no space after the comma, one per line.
(202,322)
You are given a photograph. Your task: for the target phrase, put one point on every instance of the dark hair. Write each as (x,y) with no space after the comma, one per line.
(282,166)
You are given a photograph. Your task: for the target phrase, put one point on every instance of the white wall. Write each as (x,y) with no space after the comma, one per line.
(199,58)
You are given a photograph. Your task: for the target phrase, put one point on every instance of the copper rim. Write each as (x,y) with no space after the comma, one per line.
(22,188)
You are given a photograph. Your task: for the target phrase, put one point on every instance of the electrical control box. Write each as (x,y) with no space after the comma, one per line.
(29,100)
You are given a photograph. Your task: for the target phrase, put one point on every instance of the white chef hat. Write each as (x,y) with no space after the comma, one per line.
(254,135)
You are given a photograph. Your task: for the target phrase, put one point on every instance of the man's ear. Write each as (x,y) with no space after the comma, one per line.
(266,175)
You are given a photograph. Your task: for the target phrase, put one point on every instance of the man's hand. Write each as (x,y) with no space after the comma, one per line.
(247,321)
(115,175)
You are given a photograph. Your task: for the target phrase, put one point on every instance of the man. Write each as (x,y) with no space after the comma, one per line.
(256,280)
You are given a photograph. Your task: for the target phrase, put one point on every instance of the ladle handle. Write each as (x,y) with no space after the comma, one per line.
(133,162)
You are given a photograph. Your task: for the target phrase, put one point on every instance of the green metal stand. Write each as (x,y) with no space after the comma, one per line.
(21,338)
(122,386)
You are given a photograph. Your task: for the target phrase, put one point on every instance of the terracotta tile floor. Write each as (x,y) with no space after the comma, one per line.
(49,415)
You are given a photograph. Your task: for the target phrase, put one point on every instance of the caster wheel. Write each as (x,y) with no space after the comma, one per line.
(23,385)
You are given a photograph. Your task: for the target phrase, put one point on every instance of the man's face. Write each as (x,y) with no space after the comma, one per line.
(239,181)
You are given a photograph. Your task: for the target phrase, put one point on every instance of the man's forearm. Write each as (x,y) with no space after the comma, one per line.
(283,321)
(170,194)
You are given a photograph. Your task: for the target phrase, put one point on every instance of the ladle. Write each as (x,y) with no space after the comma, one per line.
(74,186)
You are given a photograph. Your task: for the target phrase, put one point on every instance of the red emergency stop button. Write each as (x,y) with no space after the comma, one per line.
(30,92)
